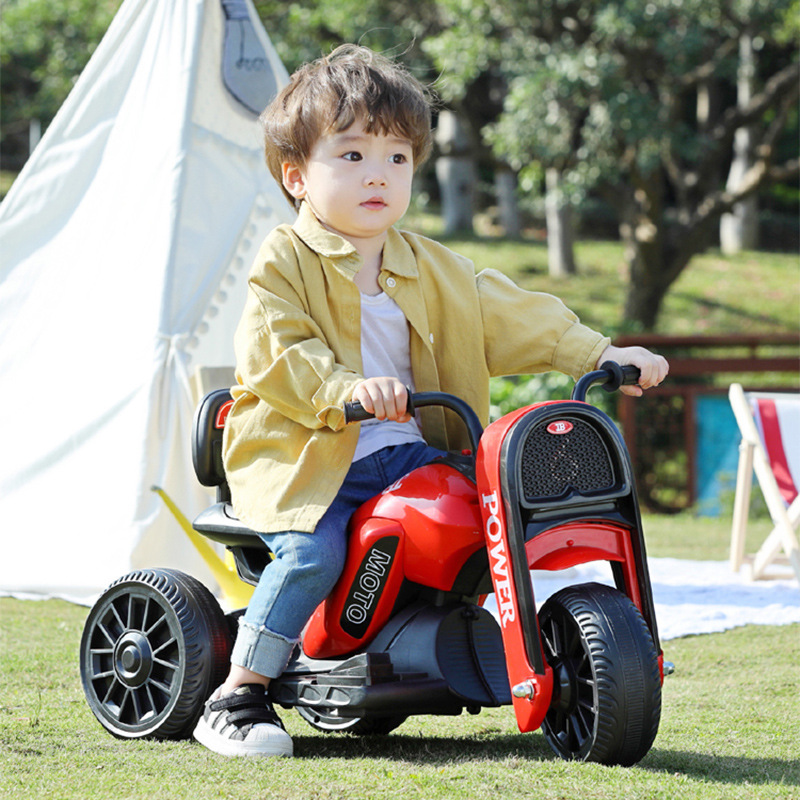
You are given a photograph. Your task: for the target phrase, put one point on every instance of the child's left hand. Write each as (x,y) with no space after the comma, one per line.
(654,368)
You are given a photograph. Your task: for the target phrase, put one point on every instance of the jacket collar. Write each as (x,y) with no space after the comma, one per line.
(398,257)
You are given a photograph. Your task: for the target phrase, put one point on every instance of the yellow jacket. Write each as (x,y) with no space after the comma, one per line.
(298,351)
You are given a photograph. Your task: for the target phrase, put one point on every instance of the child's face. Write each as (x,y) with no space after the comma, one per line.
(357,183)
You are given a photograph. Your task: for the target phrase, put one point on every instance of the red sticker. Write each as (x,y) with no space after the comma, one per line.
(562,426)
(222,415)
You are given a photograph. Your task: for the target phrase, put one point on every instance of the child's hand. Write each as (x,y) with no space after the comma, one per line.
(386,398)
(654,368)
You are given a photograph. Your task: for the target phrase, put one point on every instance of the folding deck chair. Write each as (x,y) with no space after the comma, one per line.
(770,428)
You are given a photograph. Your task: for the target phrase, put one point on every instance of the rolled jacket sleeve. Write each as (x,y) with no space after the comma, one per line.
(529,332)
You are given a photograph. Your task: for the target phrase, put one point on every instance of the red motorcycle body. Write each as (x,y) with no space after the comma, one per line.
(438,528)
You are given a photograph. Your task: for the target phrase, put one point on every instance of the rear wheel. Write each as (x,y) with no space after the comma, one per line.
(606,703)
(324,720)
(154,647)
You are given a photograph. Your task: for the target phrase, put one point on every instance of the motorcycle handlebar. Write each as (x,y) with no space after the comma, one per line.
(610,375)
(355,412)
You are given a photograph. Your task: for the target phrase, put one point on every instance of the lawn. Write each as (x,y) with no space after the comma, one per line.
(728,730)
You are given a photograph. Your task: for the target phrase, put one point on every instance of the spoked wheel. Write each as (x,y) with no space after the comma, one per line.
(606,703)
(324,720)
(154,647)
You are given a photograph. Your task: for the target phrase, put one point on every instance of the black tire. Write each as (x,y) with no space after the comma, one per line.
(323,720)
(606,704)
(154,647)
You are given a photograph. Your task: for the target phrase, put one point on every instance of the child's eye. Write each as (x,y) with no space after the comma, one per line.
(352,155)
(399,158)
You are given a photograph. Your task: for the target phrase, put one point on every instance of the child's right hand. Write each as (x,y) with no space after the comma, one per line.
(386,398)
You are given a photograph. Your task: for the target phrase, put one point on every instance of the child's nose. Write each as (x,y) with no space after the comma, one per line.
(375,177)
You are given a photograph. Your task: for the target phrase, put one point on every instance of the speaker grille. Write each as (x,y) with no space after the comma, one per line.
(554,463)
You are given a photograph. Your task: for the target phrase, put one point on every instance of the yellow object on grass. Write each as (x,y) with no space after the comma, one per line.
(234,590)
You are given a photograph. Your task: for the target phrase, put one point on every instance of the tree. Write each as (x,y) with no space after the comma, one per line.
(305,31)
(46,45)
(738,229)
(605,91)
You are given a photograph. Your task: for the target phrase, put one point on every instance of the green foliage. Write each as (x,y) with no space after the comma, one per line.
(510,393)
(606,93)
(590,88)
(45,47)
(304,31)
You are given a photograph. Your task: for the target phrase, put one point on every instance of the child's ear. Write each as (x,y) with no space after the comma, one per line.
(293,180)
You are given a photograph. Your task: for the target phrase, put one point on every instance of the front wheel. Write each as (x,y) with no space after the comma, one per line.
(154,647)
(606,703)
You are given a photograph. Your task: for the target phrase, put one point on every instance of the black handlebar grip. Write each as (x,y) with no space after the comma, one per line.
(621,376)
(355,412)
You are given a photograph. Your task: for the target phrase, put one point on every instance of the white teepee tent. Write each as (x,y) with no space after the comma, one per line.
(124,250)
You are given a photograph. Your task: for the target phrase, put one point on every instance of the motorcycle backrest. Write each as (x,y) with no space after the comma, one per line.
(207,430)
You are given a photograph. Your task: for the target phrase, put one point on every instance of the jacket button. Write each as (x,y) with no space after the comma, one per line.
(431,338)
(391,283)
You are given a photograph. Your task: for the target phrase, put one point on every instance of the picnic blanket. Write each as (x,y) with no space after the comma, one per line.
(692,597)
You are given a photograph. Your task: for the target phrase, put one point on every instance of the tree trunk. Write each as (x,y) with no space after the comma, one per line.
(560,227)
(455,172)
(646,287)
(643,304)
(739,230)
(644,239)
(505,186)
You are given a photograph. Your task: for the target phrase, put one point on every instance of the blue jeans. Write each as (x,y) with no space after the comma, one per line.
(307,565)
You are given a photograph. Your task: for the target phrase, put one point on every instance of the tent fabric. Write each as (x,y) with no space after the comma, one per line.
(125,246)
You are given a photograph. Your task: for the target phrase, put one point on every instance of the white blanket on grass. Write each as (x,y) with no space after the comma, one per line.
(692,597)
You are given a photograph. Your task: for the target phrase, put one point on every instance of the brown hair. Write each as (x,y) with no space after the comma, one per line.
(331,93)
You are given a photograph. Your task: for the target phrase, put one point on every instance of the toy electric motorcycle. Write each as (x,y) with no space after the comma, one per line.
(404,632)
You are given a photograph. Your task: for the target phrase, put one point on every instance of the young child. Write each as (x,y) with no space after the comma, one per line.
(342,306)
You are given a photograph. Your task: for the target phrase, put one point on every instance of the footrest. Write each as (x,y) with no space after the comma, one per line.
(366,683)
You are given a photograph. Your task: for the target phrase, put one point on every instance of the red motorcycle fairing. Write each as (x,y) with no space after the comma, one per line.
(511,577)
(422,529)
(555,488)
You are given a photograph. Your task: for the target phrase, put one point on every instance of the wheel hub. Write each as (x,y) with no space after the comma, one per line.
(563,685)
(133,658)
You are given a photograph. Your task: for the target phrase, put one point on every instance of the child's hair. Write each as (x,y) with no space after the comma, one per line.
(331,93)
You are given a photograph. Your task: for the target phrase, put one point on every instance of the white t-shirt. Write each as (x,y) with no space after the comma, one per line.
(385,350)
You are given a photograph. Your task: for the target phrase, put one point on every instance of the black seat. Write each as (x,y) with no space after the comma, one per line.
(218,522)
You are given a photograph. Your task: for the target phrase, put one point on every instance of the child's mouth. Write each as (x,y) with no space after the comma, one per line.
(374,203)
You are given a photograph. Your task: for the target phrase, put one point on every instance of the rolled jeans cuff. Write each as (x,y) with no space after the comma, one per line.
(261,650)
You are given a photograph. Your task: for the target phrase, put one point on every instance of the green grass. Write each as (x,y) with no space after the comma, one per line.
(698,538)
(752,292)
(728,730)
